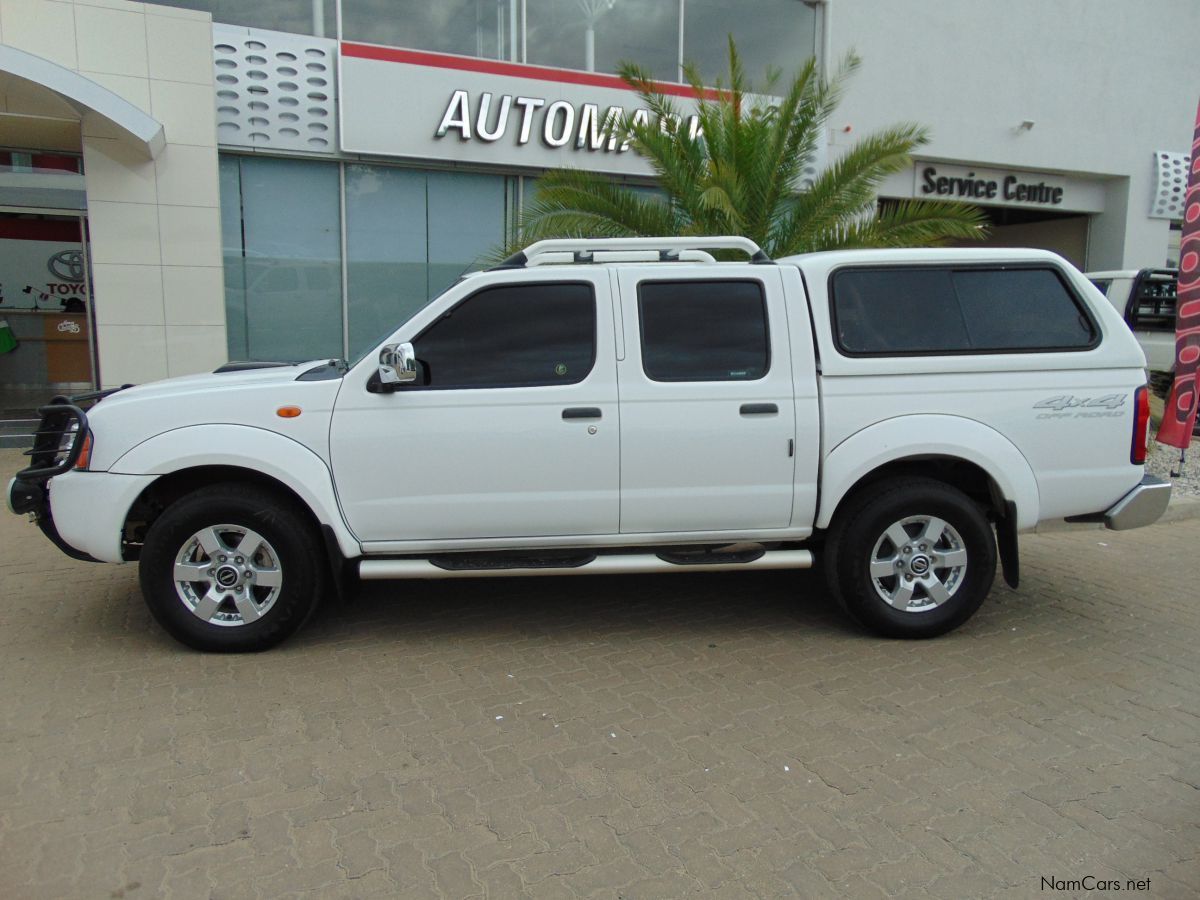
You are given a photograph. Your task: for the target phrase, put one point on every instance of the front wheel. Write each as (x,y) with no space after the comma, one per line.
(911,558)
(231,568)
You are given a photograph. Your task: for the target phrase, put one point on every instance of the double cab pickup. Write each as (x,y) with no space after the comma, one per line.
(627,405)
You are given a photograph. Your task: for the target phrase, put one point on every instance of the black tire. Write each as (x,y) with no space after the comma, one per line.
(859,538)
(289,554)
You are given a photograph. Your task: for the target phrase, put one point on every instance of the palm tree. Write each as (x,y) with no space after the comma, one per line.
(744,175)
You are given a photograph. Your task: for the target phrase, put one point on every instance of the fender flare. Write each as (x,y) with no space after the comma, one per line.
(267,452)
(936,435)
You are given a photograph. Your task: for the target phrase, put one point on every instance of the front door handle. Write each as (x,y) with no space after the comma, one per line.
(582,412)
(759,409)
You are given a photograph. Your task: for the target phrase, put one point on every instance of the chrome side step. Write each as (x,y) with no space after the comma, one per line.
(610,564)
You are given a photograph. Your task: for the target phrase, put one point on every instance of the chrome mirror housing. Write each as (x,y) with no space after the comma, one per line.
(397,364)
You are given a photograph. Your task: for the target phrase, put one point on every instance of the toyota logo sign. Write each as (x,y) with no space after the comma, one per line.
(67,265)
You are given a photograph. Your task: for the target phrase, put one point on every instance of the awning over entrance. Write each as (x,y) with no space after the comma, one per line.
(85,96)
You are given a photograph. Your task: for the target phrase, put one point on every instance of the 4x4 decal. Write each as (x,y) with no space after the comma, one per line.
(1090,407)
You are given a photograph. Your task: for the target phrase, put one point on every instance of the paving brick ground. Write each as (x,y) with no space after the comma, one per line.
(724,736)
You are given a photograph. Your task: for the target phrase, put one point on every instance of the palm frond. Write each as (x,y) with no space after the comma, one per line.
(571,203)
(742,173)
(846,190)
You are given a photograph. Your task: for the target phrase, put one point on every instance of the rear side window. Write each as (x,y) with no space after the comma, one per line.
(971,310)
(524,335)
(703,330)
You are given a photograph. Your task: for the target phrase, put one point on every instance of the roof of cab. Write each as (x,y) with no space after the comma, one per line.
(832,258)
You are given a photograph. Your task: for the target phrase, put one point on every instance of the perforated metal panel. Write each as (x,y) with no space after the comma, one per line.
(1171,170)
(274,90)
(817,165)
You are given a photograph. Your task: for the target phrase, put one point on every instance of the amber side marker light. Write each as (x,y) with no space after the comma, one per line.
(85,455)
(288,412)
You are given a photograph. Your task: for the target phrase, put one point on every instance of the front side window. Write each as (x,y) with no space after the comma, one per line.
(703,330)
(930,310)
(522,335)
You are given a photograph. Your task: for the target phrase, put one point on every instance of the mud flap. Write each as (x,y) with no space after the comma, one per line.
(343,573)
(1006,543)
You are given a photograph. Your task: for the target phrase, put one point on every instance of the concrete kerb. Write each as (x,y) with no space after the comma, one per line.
(1181,507)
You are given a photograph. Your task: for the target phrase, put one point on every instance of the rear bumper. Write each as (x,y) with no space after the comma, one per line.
(1142,506)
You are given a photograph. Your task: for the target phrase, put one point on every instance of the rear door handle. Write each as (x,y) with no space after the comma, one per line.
(759,409)
(582,412)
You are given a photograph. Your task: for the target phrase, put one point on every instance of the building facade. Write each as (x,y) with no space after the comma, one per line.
(191,181)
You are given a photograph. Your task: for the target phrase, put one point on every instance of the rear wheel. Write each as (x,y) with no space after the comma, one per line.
(231,568)
(911,558)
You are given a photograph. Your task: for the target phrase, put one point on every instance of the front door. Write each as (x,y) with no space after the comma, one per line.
(707,409)
(512,430)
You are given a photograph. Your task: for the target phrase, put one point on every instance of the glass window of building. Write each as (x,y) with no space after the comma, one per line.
(468,217)
(597,35)
(283,261)
(770,34)
(409,235)
(318,17)
(483,28)
(387,276)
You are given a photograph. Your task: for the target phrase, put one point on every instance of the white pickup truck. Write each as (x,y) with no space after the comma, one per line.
(1145,299)
(627,405)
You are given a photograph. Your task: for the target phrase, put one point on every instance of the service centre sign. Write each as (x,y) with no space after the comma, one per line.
(423,105)
(1008,188)
(1000,187)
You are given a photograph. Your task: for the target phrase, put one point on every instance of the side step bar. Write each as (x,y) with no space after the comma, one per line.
(611,564)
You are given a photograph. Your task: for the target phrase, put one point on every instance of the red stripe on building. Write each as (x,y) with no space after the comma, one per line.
(515,70)
(59,231)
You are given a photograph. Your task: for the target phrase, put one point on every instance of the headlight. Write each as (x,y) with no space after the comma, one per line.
(69,435)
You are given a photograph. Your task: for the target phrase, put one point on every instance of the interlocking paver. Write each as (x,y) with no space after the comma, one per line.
(644,729)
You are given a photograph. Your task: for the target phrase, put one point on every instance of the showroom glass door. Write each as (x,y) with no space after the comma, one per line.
(46,321)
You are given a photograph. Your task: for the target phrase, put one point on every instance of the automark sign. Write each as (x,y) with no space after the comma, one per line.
(596,130)
(436,106)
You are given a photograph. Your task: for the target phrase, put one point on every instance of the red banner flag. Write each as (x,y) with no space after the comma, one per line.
(1179,415)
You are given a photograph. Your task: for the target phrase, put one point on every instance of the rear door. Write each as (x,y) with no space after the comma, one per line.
(707,411)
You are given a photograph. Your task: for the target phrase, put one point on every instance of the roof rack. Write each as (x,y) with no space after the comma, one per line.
(669,249)
(561,257)
(1161,274)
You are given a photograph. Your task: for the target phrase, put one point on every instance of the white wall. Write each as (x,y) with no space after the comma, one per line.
(1108,82)
(1067,237)
(155,229)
